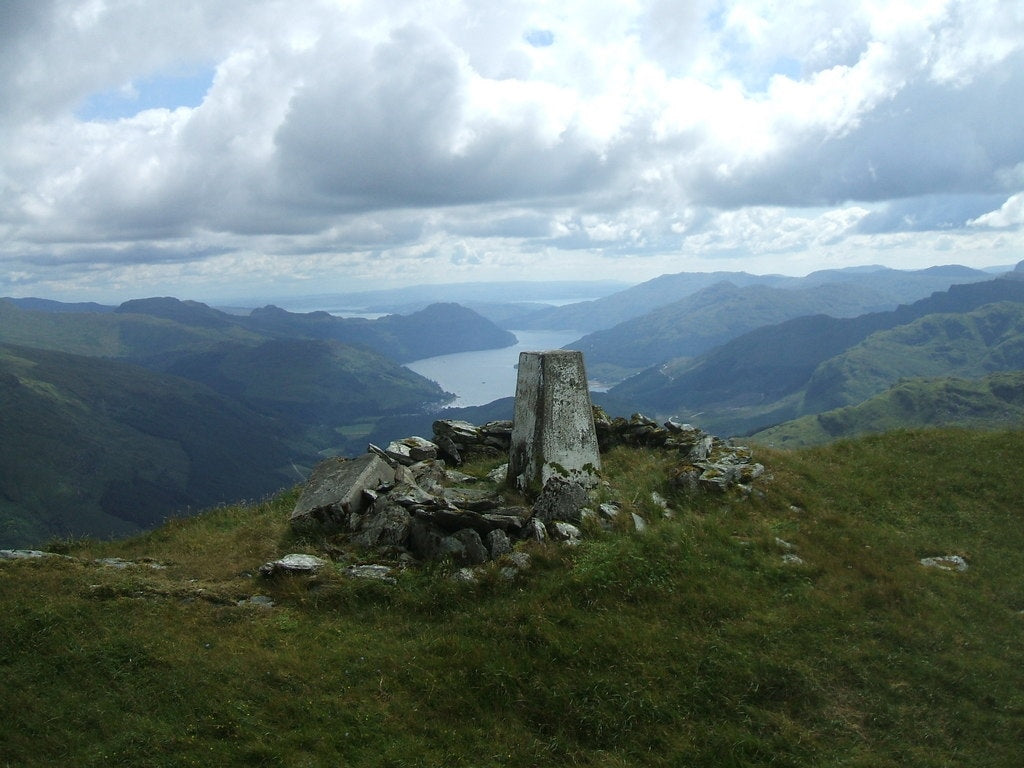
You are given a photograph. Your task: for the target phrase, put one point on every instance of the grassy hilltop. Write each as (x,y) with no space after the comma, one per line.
(791,627)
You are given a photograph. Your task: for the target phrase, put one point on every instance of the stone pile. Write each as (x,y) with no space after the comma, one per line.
(706,462)
(408,500)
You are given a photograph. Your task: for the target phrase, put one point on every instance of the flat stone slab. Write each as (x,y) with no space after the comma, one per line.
(336,489)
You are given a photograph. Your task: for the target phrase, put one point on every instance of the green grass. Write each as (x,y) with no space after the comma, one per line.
(692,644)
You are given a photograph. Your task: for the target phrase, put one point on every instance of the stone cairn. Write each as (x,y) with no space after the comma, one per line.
(409,501)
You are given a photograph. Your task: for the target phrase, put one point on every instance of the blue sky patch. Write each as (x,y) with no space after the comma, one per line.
(540,38)
(160,91)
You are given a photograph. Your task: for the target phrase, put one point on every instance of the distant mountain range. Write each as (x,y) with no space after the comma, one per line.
(786,370)
(114,417)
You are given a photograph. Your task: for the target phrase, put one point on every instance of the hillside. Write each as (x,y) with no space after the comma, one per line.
(993,402)
(759,378)
(93,447)
(713,316)
(966,344)
(793,627)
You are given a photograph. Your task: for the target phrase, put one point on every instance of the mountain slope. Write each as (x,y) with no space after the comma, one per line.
(98,447)
(309,381)
(968,344)
(993,402)
(715,315)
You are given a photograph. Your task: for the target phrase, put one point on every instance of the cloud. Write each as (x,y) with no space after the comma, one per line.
(163,139)
(1009,214)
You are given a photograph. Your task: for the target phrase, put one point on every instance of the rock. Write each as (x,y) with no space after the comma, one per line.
(25,554)
(425,540)
(114,562)
(791,559)
(535,530)
(499,475)
(945,563)
(553,434)
(498,544)
(258,601)
(567,533)
(520,560)
(474,551)
(296,563)
(373,572)
(410,450)
(449,451)
(335,490)
(561,499)
(465,576)
(385,525)
(639,524)
(609,511)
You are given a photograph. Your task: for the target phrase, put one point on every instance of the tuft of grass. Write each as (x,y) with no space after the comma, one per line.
(696,642)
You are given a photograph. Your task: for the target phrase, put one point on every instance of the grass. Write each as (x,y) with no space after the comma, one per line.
(694,643)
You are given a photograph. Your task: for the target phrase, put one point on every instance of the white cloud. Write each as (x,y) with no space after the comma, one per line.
(1009,214)
(392,142)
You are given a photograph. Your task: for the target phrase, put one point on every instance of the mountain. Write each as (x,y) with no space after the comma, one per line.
(147,329)
(93,447)
(713,316)
(439,329)
(759,377)
(992,402)
(882,288)
(968,344)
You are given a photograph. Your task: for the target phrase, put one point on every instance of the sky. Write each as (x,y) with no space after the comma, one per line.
(229,149)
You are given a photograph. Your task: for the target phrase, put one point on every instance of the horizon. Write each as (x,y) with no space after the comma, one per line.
(243,148)
(382,294)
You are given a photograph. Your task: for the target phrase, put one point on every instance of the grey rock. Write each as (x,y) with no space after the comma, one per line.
(257,601)
(474,551)
(373,572)
(498,544)
(385,525)
(945,563)
(25,554)
(294,563)
(535,530)
(465,576)
(335,490)
(567,533)
(639,524)
(561,499)
(410,450)
(520,560)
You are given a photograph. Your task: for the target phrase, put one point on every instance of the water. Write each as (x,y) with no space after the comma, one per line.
(482,377)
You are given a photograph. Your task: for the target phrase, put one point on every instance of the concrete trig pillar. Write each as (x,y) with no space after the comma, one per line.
(553,433)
